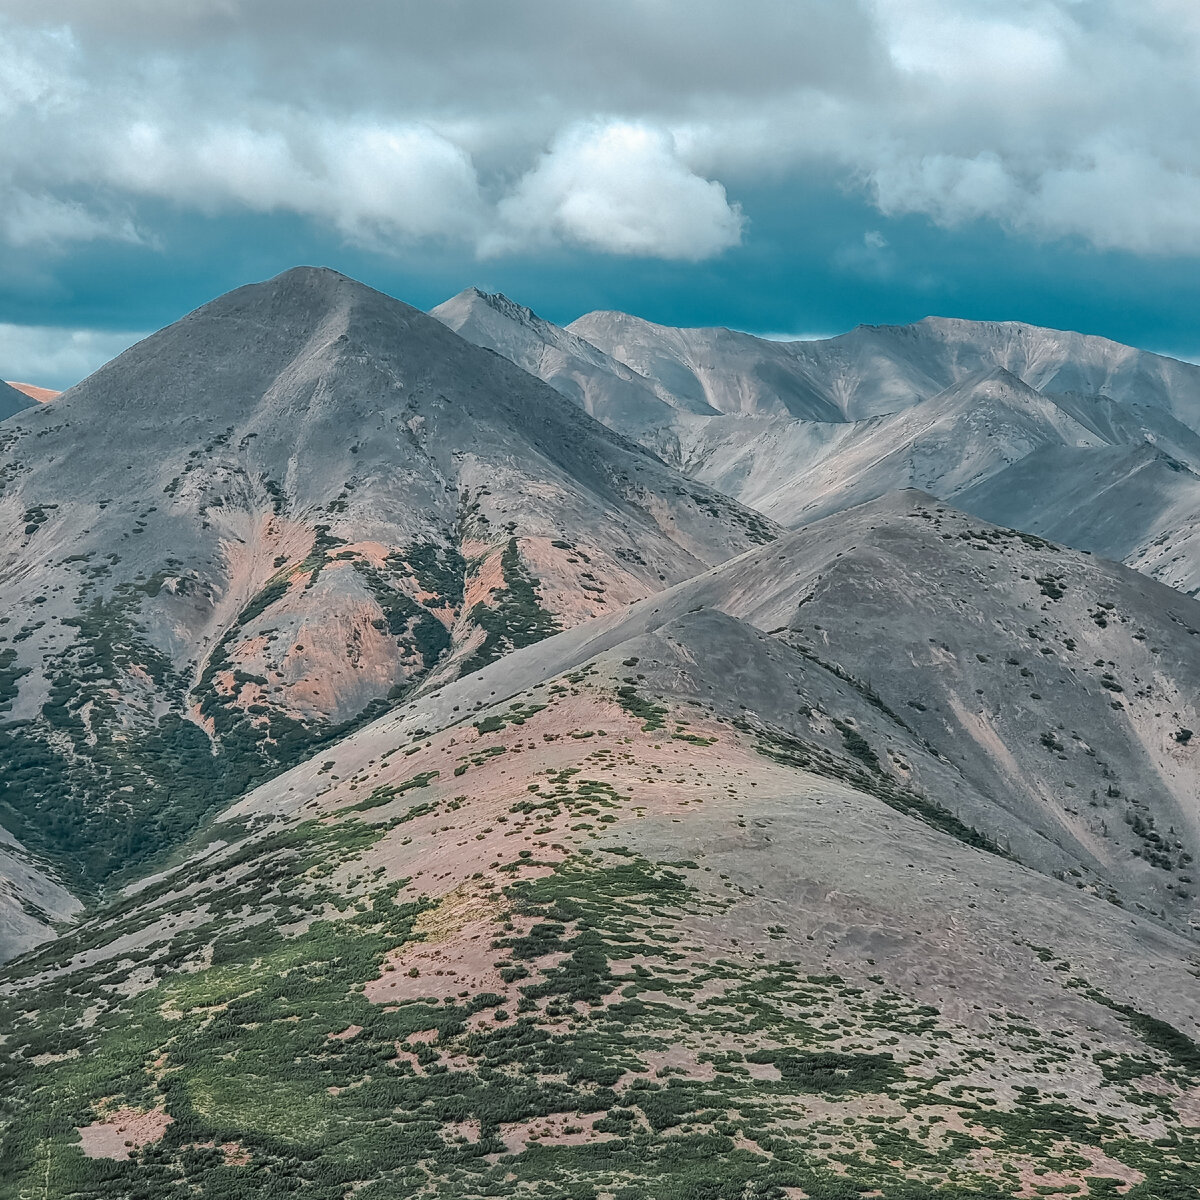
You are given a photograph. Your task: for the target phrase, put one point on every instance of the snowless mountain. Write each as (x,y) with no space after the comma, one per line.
(282,512)
(410,786)
(43,395)
(765,885)
(880,368)
(947,444)
(1078,438)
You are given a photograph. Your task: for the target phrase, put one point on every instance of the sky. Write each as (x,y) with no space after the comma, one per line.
(787,167)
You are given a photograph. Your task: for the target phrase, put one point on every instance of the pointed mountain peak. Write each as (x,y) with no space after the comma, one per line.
(303,292)
(992,383)
(474,304)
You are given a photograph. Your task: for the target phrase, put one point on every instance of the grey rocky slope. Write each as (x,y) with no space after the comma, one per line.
(955,440)
(1118,480)
(13,401)
(1076,438)
(32,899)
(1026,687)
(300,500)
(876,369)
(609,390)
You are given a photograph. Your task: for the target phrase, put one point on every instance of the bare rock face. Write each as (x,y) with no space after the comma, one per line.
(13,400)
(32,899)
(275,516)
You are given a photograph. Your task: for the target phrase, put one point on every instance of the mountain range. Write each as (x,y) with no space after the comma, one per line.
(454,755)
(1076,438)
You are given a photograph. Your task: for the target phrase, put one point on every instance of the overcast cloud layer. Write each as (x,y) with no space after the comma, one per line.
(698,160)
(628,127)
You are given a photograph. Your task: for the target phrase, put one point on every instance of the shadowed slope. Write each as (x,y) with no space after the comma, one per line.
(13,400)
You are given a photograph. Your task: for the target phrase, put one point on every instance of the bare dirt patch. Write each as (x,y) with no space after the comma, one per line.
(456,955)
(557,1129)
(122,1131)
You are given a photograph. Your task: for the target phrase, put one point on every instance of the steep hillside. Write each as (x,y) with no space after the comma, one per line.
(13,400)
(952,407)
(666,905)
(943,445)
(32,900)
(722,369)
(607,389)
(951,445)
(274,518)
(1134,503)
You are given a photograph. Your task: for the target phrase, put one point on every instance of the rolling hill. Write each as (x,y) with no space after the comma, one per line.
(673,903)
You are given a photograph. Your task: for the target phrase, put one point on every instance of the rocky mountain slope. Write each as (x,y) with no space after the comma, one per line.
(952,444)
(763,887)
(33,899)
(13,400)
(610,391)
(468,804)
(1079,439)
(876,369)
(269,521)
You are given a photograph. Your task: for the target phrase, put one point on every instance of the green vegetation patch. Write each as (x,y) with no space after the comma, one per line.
(386,793)
(514,618)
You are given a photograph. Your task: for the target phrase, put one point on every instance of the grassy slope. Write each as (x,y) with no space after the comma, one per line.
(649,1030)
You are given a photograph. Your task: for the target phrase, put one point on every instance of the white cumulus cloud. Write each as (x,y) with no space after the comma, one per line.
(620,188)
(627,128)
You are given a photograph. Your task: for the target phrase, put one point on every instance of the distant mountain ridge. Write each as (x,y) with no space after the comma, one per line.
(875,369)
(971,411)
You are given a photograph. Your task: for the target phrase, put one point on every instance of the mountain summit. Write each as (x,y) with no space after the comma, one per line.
(292,506)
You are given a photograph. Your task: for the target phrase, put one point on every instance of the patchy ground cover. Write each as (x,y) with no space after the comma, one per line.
(571,970)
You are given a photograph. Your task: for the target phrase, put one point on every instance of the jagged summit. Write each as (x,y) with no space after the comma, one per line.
(611,391)
(448,311)
(34,391)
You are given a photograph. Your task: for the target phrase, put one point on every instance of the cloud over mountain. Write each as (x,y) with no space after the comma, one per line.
(628,128)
